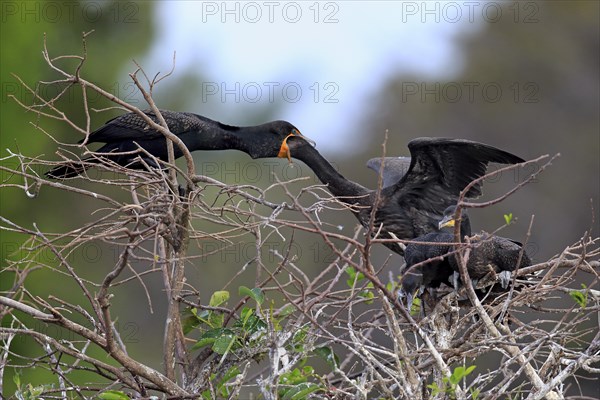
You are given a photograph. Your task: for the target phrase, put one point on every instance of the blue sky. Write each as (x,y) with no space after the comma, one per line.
(321,61)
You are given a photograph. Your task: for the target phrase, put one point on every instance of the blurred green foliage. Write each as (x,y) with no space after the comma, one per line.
(122,31)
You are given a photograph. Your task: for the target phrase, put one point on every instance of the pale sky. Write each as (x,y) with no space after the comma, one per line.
(320,61)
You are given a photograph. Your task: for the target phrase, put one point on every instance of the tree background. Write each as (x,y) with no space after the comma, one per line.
(553,60)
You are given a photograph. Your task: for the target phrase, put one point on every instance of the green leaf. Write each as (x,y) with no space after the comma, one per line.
(579,297)
(328,355)
(299,339)
(390,287)
(459,374)
(190,320)
(224,343)
(206,395)
(508,218)
(435,390)
(454,380)
(255,294)
(34,391)
(415,309)
(368,295)
(353,276)
(17,379)
(218,298)
(113,395)
(294,377)
(216,319)
(249,322)
(232,373)
(301,391)
(351,272)
(209,337)
(287,310)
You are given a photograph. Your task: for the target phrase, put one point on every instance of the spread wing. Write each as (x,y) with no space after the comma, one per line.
(441,168)
(394,168)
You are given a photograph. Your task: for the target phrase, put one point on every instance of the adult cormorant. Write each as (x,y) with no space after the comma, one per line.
(128,132)
(439,169)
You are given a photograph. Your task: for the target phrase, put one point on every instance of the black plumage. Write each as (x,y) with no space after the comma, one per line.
(490,254)
(128,132)
(428,264)
(439,169)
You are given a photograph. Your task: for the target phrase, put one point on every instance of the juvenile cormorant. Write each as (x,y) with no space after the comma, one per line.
(428,265)
(439,169)
(127,132)
(489,254)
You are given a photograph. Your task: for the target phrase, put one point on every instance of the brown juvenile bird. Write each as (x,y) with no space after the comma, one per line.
(489,254)
(429,265)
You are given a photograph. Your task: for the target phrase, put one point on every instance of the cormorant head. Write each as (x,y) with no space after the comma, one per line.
(292,140)
(449,221)
(410,287)
(271,140)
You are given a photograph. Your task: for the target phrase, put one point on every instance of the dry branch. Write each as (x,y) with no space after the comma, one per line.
(269,336)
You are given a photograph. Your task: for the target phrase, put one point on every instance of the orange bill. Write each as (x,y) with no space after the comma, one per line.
(284,150)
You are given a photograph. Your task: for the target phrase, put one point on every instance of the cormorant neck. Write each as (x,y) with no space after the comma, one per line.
(252,140)
(465,225)
(214,136)
(337,184)
(218,136)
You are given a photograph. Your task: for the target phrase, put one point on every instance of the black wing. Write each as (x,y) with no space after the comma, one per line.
(394,168)
(131,126)
(442,167)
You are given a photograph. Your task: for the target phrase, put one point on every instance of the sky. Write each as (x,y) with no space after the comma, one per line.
(321,62)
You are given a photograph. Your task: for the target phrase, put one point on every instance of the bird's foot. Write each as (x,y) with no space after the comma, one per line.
(505,278)
(456,281)
(409,298)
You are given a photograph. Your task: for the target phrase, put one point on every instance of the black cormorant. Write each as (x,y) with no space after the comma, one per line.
(489,254)
(128,132)
(428,265)
(440,168)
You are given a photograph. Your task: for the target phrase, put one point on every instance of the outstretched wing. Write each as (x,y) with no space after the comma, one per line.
(131,126)
(441,168)
(394,168)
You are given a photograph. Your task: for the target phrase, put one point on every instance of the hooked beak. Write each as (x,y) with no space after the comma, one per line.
(447,221)
(284,150)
